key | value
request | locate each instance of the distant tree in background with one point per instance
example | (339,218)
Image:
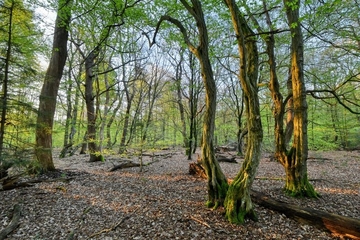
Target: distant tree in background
(217,183)
(18,68)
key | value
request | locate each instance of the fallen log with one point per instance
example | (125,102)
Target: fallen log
(336,224)
(127,164)
(222,158)
(15,221)
(163,155)
(130,164)
(14,182)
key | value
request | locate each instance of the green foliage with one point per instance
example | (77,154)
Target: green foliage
(18,159)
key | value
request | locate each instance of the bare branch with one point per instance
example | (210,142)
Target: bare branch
(337,98)
(181,28)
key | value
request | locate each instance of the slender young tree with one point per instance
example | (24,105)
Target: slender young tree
(49,91)
(18,63)
(4,99)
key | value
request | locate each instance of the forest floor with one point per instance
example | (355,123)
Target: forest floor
(165,202)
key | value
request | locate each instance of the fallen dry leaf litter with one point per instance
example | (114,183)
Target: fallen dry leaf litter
(164,202)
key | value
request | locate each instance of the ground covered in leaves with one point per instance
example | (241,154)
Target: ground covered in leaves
(165,202)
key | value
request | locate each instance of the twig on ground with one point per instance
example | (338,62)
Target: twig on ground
(199,221)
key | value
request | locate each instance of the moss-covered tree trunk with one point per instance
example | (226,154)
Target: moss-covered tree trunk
(238,203)
(295,163)
(49,91)
(217,183)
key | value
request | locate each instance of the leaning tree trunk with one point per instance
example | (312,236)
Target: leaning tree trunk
(49,91)
(217,183)
(297,183)
(238,204)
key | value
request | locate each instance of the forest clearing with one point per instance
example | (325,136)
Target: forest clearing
(165,202)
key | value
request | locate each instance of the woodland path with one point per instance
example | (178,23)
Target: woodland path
(165,202)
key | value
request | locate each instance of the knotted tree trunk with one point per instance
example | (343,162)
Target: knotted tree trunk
(238,203)
(295,161)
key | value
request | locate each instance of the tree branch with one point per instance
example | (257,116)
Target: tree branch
(181,28)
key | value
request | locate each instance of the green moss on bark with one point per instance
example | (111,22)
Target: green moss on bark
(238,204)
(301,189)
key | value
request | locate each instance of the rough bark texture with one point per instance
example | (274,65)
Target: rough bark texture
(90,107)
(238,203)
(297,183)
(48,95)
(217,183)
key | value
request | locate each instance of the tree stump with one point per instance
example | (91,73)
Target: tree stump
(195,168)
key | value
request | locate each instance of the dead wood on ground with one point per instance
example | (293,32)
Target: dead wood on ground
(336,224)
(130,164)
(223,158)
(163,155)
(125,164)
(15,221)
(196,168)
(15,182)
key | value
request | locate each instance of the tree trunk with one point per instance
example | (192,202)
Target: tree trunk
(111,143)
(193,108)
(4,99)
(49,91)
(179,99)
(297,183)
(107,108)
(68,141)
(90,107)
(217,183)
(238,204)
(129,94)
